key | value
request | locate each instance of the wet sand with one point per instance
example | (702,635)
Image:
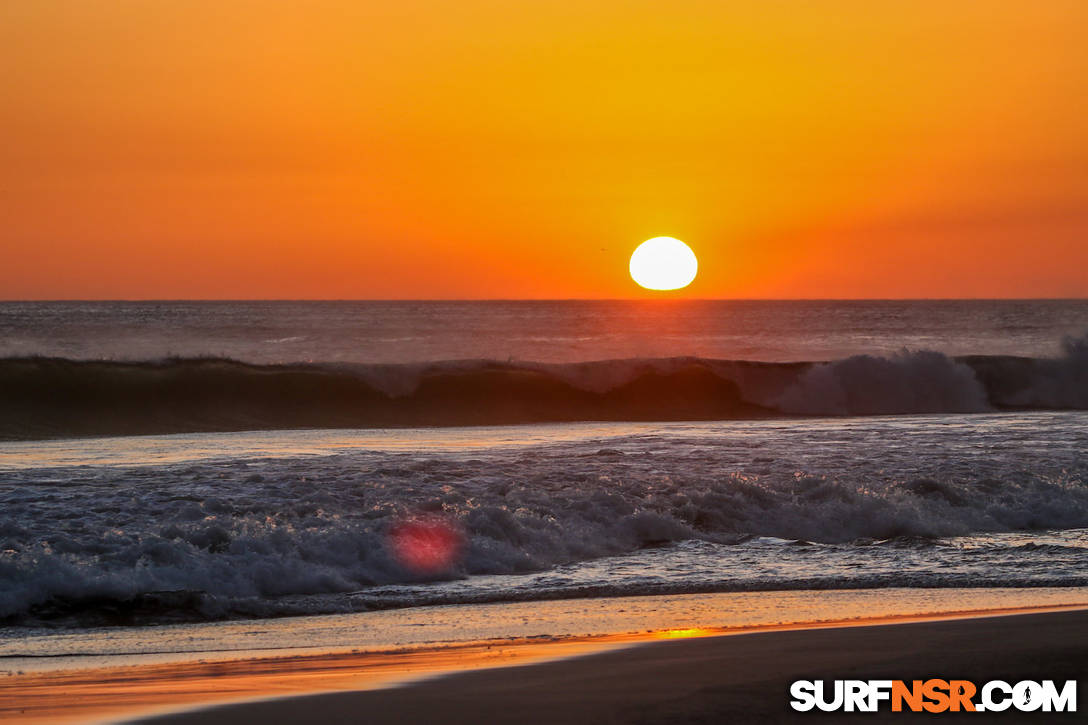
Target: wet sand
(729,679)
(622,678)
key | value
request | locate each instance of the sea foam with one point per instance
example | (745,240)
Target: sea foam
(231,537)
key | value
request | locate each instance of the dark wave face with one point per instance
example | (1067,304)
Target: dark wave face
(55,397)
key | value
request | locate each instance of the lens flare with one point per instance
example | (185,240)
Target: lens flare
(426,544)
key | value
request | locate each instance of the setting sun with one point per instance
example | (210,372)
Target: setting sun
(663,263)
(316,347)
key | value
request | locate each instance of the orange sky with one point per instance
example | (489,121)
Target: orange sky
(498,148)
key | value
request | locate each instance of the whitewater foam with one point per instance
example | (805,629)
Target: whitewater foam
(909,382)
(235,536)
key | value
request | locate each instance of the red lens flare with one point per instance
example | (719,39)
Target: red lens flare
(426,544)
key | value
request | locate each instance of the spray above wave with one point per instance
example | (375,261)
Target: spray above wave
(47,397)
(1056,383)
(931,382)
(918,382)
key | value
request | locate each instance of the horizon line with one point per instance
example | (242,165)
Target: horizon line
(538,299)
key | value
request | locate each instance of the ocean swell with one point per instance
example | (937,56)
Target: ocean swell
(51,397)
(910,382)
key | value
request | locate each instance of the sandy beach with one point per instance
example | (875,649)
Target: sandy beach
(663,675)
(741,678)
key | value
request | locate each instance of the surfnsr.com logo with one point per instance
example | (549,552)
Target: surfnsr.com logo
(933,696)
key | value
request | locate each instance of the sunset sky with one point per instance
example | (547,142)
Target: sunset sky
(523,148)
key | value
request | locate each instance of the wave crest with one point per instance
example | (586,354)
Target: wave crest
(909,382)
(48,397)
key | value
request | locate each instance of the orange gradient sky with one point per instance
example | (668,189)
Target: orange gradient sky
(490,148)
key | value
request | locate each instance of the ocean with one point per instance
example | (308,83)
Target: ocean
(539,331)
(204,461)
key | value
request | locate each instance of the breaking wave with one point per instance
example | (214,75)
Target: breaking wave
(50,397)
(777,507)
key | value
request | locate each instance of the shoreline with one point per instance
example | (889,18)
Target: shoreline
(727,678)
(182,688)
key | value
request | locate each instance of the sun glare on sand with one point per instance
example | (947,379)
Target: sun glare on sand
(663,263)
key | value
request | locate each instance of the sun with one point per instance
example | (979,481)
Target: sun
(663,263)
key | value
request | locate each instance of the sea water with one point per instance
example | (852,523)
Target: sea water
(199,526)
